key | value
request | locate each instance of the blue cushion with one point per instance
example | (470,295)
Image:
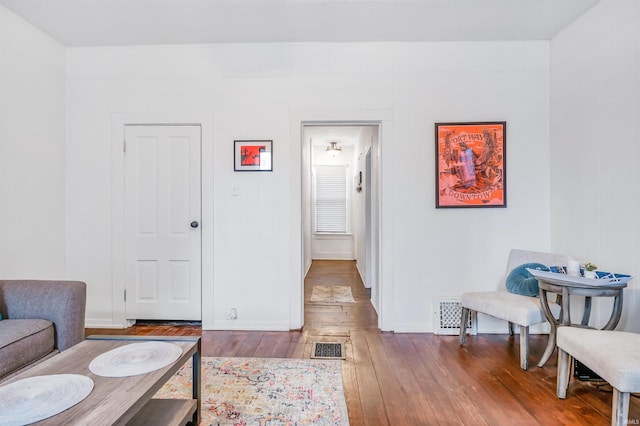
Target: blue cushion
(520,281)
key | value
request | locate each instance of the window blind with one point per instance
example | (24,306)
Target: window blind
(331,199)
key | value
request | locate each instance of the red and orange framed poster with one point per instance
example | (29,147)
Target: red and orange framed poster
(471,164)
(252,156)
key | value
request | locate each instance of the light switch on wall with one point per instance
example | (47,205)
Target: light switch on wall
(235,190)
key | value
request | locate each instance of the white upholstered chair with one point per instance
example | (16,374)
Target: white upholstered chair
(612,355)
(524,311)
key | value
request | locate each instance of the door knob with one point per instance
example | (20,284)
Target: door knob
(194,224)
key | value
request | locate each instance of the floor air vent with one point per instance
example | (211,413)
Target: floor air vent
(447,313)
(328,351)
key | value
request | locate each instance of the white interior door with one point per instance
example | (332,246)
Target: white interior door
(162,222)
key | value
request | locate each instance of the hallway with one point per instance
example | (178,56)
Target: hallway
(332,318)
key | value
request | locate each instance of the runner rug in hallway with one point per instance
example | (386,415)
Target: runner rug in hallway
(258,391)
(331,294)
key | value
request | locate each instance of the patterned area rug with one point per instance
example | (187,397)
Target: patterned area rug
(265,391)
(331,294)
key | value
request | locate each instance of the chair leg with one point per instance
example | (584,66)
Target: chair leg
(619,408)
(464,319)
(511,333)
(564,371)
(524,347)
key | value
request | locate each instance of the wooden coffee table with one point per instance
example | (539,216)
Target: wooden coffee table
(124,400)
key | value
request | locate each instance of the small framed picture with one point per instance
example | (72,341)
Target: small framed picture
(471,164)
(253,156)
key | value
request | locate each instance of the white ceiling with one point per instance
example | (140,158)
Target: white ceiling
(143,22)
(322,135)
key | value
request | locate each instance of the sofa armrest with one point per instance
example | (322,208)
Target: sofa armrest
(61,302)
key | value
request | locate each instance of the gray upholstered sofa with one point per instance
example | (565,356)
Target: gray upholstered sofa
(39,319)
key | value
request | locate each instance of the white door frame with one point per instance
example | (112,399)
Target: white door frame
(368,271)
(118,123)
(385,244)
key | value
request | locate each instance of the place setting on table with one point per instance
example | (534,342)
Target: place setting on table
(135,358)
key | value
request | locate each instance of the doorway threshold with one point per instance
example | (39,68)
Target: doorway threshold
(174,323)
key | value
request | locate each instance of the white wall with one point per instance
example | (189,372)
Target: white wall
(305,200)
(595,143)
(443,252)
(359,205)
(32,152)
(255,91)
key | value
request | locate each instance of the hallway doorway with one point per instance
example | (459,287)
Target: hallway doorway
(356,239)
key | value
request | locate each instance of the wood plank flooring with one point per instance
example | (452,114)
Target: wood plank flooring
(415,378)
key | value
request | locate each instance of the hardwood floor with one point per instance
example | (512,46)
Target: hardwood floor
(415,378)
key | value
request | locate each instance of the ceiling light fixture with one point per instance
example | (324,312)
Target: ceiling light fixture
(333,149)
